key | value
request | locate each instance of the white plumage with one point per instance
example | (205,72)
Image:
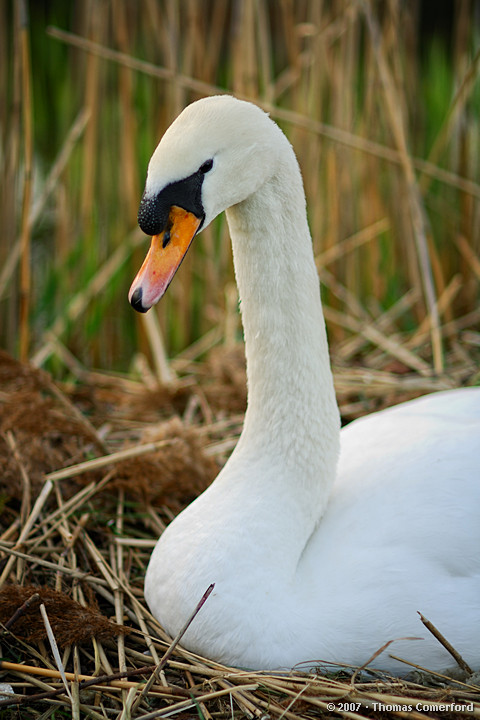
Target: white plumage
(322,544)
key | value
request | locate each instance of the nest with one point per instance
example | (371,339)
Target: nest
(80,512)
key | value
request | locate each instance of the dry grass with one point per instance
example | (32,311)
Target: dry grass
(76,533)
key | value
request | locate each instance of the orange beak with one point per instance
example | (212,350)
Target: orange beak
(167,251)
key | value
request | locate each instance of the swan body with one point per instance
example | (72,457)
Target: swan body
(322,544)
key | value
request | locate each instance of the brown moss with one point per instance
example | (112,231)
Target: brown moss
(70,621)
(15,375)
(175,474)
(161,402)
(45,436)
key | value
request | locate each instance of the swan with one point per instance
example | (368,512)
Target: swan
(322,543)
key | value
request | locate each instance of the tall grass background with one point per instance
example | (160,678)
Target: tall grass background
(381,101)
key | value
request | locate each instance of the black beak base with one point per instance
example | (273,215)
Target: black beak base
(187,194)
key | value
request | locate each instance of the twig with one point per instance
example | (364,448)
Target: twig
(468,253)
(184,629)
(114,680)
(54,647)
(186,704)
(111,459)
(21,610)
(174,644)
(39,503)
(53,566)
(365,235)
(443,641)
(388,344)
(26,494)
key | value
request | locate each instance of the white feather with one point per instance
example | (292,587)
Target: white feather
(312,559)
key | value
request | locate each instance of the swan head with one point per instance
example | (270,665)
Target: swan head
(218,152)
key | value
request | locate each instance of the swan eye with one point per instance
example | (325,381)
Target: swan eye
(207,165)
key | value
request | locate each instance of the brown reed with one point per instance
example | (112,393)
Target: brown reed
(317,69)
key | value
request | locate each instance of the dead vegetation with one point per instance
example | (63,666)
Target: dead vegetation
(91,473)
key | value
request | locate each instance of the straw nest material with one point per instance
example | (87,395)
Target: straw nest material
(90,474)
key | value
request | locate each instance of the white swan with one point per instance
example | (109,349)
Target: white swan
(322,544)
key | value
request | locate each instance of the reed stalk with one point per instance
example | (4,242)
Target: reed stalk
(385,128)
(27,119)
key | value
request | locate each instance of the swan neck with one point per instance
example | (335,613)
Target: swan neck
(292,413)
